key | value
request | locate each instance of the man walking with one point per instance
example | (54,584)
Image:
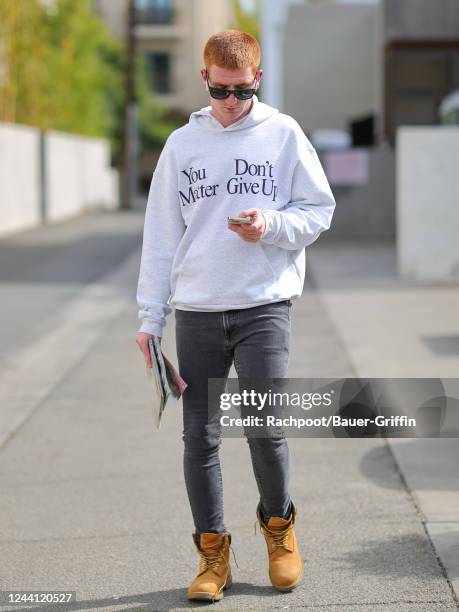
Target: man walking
(231,285)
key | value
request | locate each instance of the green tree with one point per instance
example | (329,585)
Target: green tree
(61,69)
(155,122)
(246,17)
(23,53)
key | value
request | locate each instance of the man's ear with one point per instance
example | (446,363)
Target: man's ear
(203,79)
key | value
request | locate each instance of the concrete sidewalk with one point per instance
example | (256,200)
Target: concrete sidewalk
(93,498)
(397,328)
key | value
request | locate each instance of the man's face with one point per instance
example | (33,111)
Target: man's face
(230,110)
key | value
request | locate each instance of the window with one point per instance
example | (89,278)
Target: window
(159,65)
(153,11)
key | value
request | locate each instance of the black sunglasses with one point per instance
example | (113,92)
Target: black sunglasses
(221,93)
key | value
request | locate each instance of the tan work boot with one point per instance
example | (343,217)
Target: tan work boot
(214,568)
(285,562)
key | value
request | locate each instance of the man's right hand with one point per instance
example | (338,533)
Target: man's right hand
(142,340)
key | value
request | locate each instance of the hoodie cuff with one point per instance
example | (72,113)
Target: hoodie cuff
(150,327)
(269,233)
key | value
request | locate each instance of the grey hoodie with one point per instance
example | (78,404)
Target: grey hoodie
(206,172)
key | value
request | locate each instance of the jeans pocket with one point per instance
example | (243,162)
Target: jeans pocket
(289,304)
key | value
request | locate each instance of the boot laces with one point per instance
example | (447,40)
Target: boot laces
(210,559)
(278,537)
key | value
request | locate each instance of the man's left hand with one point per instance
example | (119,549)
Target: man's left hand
(252,232)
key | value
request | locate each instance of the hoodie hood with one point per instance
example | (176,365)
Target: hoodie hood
(259,113)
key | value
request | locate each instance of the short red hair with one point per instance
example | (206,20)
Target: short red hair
(232,49)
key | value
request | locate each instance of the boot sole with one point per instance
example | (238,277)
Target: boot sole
(205,596)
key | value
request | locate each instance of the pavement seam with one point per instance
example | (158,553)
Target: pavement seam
(70,372)
(423,520)
(78,308)
(316,288)
(398,469)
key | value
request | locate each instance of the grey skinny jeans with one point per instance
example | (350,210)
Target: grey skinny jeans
(258,340)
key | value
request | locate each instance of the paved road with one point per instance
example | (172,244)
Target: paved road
(93,499)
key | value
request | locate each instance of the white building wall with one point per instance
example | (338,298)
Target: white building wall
(19,178)
(64,168)
(272,27)
(428,202)
(332,64)
(77,177)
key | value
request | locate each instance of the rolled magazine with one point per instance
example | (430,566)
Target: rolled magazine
(164,380)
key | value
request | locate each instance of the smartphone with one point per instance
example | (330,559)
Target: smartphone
(240,220)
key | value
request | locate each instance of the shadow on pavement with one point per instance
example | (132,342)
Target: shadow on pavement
(423,456)
(398,557)
(162,600)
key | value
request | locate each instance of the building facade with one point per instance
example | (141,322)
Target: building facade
(421,60)
(172,35)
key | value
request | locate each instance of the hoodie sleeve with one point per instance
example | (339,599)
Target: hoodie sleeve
(163,230)
(311,207)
